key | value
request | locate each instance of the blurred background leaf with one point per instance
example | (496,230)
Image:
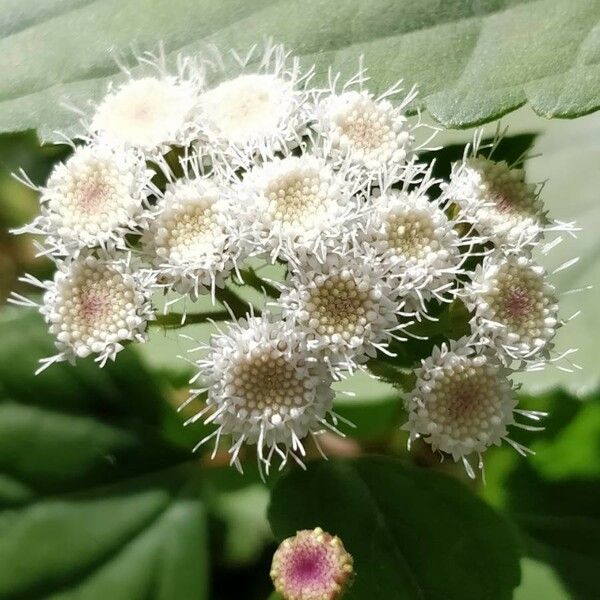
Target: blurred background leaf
(553,497)
(95,500)
(99,493)
(539,581)
(474,60)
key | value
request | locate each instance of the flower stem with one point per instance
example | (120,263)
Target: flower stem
(238,305)
(254,281)
(177,320)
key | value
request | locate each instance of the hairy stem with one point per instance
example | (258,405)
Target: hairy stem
(254,281)
(174,320)
(238,305)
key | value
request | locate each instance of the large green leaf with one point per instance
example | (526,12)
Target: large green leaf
(472,59)
(136,538)
(94,500)
(412,533)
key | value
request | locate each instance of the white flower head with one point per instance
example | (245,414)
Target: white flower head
(92,200)
(94,306)
(514,305)
(498,201)
(366,130)
(264,387)
(153,112)
(295,205)
(258,113)
(416,242)
(192,242)
(463,403)
(345,305)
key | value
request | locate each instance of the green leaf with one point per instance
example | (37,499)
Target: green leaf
(125,393)
(374,418)
(244,512)
(575,450)
(238,505)
(473,60)
(539,581)
(412,533)
(94,500)
(553,496)
(139,537)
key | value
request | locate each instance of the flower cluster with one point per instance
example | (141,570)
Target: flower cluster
(185,180)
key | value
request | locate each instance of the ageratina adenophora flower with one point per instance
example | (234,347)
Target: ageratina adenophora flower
(498,201)
(260,112)
(515,306)
(192,241)
(264,387)
(312,565)
(463,402)
(345,305)
(153,112)
(365,130)
(295,205)
(93,200)
(252,163)
(94,306)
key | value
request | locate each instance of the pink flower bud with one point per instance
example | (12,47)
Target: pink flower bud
(312,565)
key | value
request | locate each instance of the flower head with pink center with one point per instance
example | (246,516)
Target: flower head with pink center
(92,200)
(515,307)
(153,112)
(94,306)
(312,565)
(463,402)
